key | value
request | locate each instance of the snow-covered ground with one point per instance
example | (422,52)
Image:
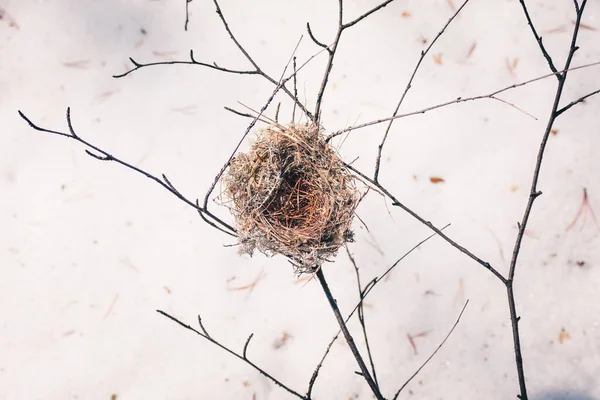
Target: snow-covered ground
(89,250)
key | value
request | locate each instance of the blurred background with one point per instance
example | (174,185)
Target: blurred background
(89,250)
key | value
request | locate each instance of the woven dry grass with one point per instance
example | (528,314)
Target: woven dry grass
(291,195)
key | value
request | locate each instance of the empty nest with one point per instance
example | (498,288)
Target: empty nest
(291,195)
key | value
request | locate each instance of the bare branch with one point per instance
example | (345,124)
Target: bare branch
(408,86)
(365,15)
(257,70)
(105,156)
(279,85)
(187,14)
(201,326)
(333,48)
(365,292)
(295,90)
(361,314)
(138,65)
(538,39)
(397,203)
(241,114)
(458,100)
(534,193)
(574,102)
(361,364)
(314,39)
(434,353)
(246,346)
(233,353)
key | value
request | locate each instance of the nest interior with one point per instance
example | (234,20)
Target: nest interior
(291,194)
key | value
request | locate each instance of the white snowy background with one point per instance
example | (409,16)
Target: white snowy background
(89,250)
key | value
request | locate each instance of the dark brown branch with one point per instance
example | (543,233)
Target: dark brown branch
(365,15)
(333,48)
(397,203)
(434,353)
(257,70)
(574,102)
(314,39)
(187,14)
(202,327)
(329,65)
(336,311)
(246,346)
(233,353)
(514,319)
(365,292)
(192,61)
(239,113)
(255,65)
(533,194)
(408,86)
(232,36)
(315,374)
(538,39)
(103,155)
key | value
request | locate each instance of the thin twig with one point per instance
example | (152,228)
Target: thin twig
(295,90)
(361,314)
(314,39)
(579,100)
(432,354)
(192,61)
(256,118)
(233,353)
(538,39)
(105,156)
(397,203)
(241,114)
(187,14)
(329,65)
(365,292)
(333,48)
(257,70)
(455,101)
(246,346)
(365,15)
(408,86)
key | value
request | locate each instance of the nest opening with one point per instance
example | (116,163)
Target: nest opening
(292,195)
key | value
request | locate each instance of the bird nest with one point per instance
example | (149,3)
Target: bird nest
(292,195)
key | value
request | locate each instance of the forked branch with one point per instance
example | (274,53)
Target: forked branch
(366,290)
(490,96)
(407,88)
(434,352)
(192,61)
(349,339)
(333,48)
(242,356)
(534,193)
(102,155)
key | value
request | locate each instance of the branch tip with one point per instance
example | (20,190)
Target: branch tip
(246,346)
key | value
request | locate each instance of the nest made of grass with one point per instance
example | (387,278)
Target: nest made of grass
(291,194)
